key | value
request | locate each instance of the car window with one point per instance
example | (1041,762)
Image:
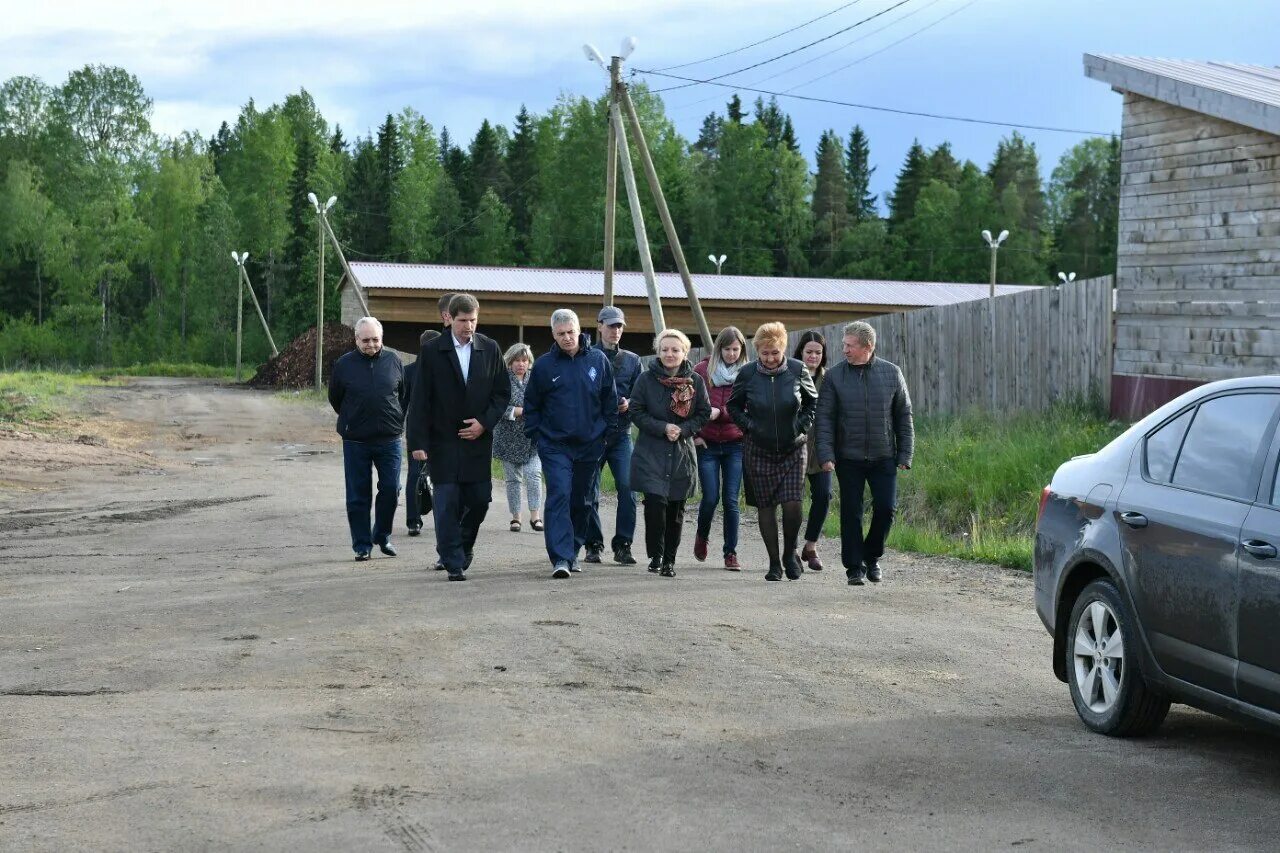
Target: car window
(1222,443)
(1162,447)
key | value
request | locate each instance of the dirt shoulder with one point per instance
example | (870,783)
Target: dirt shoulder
(190,659)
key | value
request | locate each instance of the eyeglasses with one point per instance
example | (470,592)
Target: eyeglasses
(370,340)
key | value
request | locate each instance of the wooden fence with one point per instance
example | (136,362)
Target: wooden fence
(1046,345)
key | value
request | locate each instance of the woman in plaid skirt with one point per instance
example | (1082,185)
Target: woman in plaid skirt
(774,402)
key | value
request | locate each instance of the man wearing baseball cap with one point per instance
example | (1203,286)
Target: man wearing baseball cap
(626,369)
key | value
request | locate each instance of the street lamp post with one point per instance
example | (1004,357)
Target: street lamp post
(995,248)
(718,261)
(320,211)
(235,256)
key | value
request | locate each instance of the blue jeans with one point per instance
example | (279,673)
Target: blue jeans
(720,473)
(412,515)
(882,476)
(569,471)
(819,503)
(617,455)
(358,460)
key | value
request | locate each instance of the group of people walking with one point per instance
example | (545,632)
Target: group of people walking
(768,427)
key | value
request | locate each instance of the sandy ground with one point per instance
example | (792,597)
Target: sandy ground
(190,660)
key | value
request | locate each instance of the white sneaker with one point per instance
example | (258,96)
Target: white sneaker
(561,570)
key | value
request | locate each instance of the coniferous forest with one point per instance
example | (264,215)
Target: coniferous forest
(115,242)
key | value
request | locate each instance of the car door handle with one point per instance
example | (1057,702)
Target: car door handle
(1258,548)
(1134,519)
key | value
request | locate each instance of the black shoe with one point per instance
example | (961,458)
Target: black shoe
(457,576)
(774,573)
(560,570)
(415,529)
(873,572)
(593,553)
(655,564)
(387,548)
(793,567)
(622,556)
(855,577)
(361,556)
(668,570)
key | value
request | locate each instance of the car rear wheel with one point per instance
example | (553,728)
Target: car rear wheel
(1106,683)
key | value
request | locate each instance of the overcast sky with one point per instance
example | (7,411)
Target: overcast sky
(459,62)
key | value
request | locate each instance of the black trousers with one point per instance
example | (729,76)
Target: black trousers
(663,522)
(882,476)
(459,509)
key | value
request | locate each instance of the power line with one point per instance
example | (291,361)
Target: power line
(864,58)
(822,56)
(917,113)
(762,41)
(781,55)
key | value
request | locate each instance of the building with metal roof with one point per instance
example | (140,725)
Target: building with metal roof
(1198,259)
(515,301)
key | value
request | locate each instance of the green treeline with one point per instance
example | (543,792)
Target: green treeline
(115,243)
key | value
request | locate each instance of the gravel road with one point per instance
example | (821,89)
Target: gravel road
(189,659)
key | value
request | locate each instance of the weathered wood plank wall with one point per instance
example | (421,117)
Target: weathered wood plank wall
(1050,344)
(1198,268)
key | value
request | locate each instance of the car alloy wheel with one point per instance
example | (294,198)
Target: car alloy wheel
(1099,657)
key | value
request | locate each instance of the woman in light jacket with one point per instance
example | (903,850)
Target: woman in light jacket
(520,463)
(669,404)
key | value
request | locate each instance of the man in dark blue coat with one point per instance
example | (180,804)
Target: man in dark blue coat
(617,445)
(569,407)
(460,393)
(368,392)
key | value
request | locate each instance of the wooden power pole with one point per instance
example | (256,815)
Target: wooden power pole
(611,182)
(637,218)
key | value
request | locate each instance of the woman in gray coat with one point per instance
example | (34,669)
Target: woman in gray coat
(669,404)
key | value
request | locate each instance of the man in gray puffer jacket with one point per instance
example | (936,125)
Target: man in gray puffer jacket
(864,434)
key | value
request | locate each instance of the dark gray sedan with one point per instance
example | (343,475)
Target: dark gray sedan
(1156,565)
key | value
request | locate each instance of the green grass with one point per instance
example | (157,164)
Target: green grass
(975,482)
(167,368)
(31,398)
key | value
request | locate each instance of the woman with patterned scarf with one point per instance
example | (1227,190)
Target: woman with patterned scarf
(669,404)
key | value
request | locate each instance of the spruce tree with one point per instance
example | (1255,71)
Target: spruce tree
(857,160)
(488,171)
(709,136)
(830,198)
(735,110)
(911,179)
(522,169)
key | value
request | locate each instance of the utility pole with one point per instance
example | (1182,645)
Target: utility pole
(239,311)
(320,223)
(244,274)
(651,174)
(994,243)
(611,181)
(637,219)
(342,258)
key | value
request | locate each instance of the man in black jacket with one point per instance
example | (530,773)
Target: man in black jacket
(866,435)
(368,392)
(412,512)
(460,392)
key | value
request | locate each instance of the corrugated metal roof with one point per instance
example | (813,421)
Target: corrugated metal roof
(441,277)
(1233,91)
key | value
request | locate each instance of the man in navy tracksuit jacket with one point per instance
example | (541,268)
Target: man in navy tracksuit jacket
(569,407)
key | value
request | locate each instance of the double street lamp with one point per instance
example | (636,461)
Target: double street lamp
(1066,278)
(320,229)
(994,243)
(719,262)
